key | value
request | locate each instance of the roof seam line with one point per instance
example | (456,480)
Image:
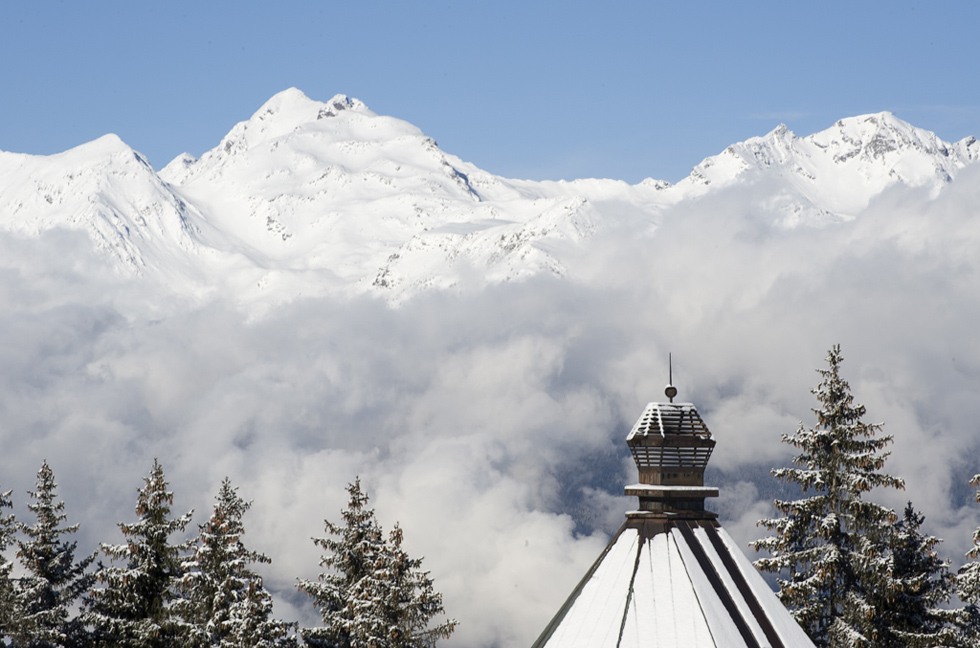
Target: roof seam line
(641,537)
(744,588)
(715,581)
(697,596)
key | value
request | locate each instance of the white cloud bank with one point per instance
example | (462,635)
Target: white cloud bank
(491,423)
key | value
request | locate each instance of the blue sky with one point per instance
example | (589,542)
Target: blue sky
(624,89)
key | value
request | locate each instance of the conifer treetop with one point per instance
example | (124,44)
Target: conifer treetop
(133,608)
(841,451)
(831,547)
(224,601)
(54,582)
(148,538)
(915,611)
(48,511)
(974,552)
(8,598)
(8,523)
(371,594)
(968,576)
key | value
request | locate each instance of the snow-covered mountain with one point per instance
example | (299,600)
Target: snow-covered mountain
(103,187)
(835,173)
(308,197)
(367,202)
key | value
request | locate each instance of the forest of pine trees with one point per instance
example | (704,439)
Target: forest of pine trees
(155,592)
(853,572)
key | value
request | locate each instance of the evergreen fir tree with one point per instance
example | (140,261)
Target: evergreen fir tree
(349,559)
(372,594)
(405,600)
(908,611)
(9,604)
(225,602)
(53,583)
(968,584)
(253,621)
(133,609)
(831,547)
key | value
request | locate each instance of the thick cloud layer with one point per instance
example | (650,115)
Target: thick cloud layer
(490,423)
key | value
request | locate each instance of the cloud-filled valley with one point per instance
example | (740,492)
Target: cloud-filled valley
(488,416)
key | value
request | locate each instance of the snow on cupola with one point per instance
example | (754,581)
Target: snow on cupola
(671,446)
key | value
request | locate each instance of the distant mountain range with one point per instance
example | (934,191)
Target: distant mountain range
(310,198)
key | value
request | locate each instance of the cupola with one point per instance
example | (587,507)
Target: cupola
(671,577)
(671,446)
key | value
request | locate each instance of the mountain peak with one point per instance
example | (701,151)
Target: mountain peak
(780,137)
(285,97)
(108,144)
(293,107)
(780,131)
(339,103)
(109,148)
(284,111)
(875,135)
(875,121)
(878,148)
(283,114)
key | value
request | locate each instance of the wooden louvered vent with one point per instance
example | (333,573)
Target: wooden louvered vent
(671,445)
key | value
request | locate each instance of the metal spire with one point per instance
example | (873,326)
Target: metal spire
(670,391)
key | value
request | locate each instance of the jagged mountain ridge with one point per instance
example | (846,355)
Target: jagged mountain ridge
(104,187)
(309,186)
(309,197)
(834,174)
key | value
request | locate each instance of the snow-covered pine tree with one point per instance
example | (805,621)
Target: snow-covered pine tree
(53,582)
(831,547)
(372,594)
(908,609)
(405,600)
(9,605)
(349,558)
(254,623)
(224,601)
(133,609)
(968,584)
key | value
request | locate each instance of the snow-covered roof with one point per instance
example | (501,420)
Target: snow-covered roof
(669,418)
(670,435)
(677,583)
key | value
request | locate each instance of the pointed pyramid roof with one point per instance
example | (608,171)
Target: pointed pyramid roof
(671,576)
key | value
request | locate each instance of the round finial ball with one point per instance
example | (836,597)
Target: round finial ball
(671,391)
